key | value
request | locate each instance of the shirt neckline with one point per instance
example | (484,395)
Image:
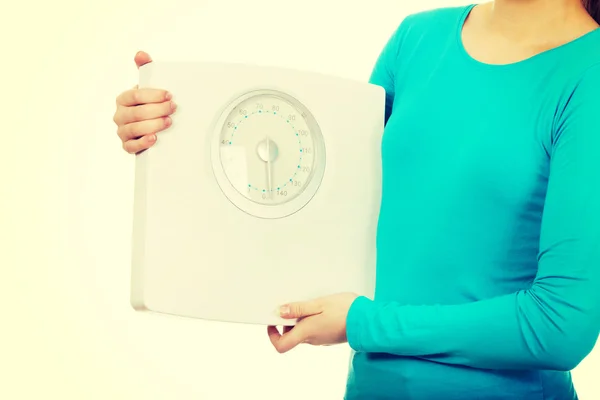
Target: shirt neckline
(465,54)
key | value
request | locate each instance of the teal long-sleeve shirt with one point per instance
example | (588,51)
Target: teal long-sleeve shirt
(488,271)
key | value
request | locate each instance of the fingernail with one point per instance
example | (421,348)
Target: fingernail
(152,138)
(173,105)
(284,310)
(168,96)
(168,121)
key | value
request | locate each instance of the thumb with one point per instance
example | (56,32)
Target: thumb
(300,309)
(142,58)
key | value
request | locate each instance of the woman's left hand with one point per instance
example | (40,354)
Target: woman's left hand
(321,322)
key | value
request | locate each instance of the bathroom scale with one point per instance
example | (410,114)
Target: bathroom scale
(265,190)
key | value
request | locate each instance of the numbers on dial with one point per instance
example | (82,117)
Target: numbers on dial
(274,155)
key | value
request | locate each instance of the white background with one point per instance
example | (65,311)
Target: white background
(66,328)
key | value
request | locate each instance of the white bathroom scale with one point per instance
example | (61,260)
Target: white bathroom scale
(266,189)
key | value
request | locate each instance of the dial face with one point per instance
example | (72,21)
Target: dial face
(271,152)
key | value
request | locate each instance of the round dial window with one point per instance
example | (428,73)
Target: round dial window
(268,155)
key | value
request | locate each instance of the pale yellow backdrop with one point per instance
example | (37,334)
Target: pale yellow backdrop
(66,328)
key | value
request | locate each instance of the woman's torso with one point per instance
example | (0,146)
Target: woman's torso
(465,158)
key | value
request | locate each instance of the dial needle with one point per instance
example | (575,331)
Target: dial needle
(270,188)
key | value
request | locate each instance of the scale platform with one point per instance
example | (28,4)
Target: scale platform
(266,189)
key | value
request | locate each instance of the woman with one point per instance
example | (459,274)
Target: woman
(488,277)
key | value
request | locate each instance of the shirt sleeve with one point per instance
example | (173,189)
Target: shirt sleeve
(384,71)
(554,324)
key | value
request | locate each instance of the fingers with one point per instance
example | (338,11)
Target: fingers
(135,130)
(135,97)
(273,331)
(141,113)
(127,115)
(290,339)
(274,336)
(300,309)
(142,58)
(135,146)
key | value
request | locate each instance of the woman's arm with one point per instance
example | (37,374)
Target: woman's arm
(383,73)
(554,324)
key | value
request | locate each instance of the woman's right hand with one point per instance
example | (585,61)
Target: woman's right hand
(142,113)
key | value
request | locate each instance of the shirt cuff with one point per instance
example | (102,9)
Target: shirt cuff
(357,317)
